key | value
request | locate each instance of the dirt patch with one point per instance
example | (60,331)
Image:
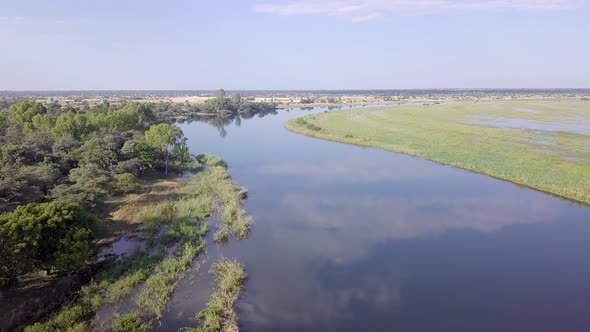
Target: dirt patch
(39,295)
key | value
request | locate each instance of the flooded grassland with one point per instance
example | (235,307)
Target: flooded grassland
(538,144)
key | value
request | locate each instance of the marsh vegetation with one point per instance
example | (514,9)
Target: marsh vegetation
(220,314)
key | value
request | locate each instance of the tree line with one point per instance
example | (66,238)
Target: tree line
(57,167)
(221,105)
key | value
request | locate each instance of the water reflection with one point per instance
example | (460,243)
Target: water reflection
(225,119)
(397,217)
(321,302)
(352,169)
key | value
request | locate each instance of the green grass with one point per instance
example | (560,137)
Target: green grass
(154,216)
(216,182)
(222,234)
(554,162)
(220,315)
(123,287)
(130,322)
(184,215)
(208,191)
(210,160)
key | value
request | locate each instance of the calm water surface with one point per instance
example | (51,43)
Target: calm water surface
(355,239)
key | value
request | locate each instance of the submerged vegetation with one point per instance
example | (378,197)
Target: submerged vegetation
(130,322)
(159,286)
(541,145)
(217,181)
(220,315)
(221,234)
(110,286)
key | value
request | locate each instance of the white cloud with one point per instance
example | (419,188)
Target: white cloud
(364,10)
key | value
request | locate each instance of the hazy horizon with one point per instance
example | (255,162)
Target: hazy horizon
(254,92)
(320,90)
(295,45)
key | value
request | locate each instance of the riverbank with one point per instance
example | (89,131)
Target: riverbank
(542,144)
(118,233)
(173,216)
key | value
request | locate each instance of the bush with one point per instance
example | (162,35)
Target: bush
(74,194)
(92,178)
(133,166)
(210,160)
(43,236)
(126,183)
(302,122)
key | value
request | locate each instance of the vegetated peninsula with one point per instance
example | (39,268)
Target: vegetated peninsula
(543,144)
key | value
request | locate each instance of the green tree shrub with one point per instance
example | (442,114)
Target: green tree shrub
(169,141)
(126,183)
(45,236)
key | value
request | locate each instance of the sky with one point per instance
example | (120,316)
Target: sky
(293,44)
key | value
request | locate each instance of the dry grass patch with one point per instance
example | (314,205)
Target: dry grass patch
(153,192)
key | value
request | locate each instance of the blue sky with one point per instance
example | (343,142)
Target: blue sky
(294,44)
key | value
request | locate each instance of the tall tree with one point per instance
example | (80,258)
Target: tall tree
(236,101)
(221,100)
(167,139)
(220,94)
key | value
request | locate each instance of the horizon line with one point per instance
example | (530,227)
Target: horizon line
(306,90)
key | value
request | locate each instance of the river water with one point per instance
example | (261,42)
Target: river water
(359,239)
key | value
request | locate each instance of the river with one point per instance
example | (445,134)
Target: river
(359,239)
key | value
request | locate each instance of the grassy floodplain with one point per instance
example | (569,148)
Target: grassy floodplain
(543,145)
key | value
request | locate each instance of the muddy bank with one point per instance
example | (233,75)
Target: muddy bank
(40,296)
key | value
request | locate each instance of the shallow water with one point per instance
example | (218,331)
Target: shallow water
(125,246)
(513,123)
(358,239)
(527,110)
